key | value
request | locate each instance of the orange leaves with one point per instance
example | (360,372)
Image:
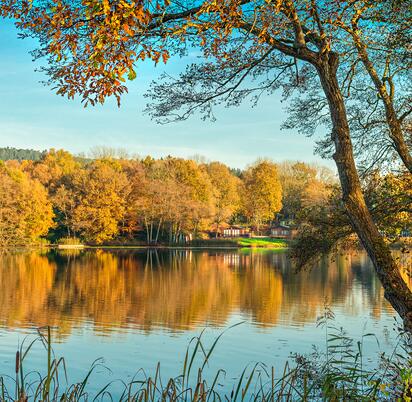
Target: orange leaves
(106,6)
(165,56)
(94,65)
(127,29)
(26,211)
(96,43)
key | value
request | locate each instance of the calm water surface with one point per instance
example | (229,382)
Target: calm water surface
(137,307)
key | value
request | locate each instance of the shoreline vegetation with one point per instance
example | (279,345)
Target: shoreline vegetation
(336,373)
(269,243)
(112,200)
(223,243)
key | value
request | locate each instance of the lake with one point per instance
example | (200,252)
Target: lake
(137,307)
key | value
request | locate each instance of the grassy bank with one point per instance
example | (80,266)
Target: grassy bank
(267,242)
(336,374)
(240,242)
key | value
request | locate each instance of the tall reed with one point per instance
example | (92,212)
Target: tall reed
(337,373)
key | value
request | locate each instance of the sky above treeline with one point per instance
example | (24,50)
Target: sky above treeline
(32,116)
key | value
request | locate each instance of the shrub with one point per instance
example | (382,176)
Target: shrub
(69,241)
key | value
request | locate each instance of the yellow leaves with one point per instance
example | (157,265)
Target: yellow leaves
(106,6)
(101,189)
(132,75)
(26,211)
(263,192)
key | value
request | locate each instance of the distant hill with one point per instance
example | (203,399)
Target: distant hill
(10,153)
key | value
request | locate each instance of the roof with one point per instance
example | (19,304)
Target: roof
(281,227)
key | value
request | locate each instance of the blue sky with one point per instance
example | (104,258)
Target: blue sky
(32,116)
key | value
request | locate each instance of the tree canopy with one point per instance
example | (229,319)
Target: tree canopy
(262,198)
(25,210)
(115,199)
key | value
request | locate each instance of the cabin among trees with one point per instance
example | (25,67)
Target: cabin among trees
(236,231)
(283,231)
(226,230)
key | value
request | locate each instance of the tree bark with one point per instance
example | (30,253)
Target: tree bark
(151,232)
(158,231)
(396,290)
(147,231)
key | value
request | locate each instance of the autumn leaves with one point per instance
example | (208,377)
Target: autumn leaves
(106,198)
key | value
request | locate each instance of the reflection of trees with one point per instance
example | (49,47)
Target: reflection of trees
(178,289)
(26,282)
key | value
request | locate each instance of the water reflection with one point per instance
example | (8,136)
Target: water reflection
(179,289)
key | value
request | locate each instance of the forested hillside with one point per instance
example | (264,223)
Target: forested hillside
(10,153)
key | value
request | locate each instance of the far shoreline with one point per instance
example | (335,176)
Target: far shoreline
(222,243)
(205,244)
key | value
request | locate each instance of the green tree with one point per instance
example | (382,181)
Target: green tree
(325,225)
(390,198)
(10,153)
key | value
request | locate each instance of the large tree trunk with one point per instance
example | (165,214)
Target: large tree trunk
(396,290)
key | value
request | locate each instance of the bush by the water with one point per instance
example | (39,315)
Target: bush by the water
(69,241)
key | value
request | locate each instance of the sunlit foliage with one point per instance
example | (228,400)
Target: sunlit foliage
(262,198)
(25,209)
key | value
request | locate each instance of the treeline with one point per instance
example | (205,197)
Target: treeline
(168,200)
(10,153)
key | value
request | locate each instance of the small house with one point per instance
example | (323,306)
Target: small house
(235,231)
(283,231)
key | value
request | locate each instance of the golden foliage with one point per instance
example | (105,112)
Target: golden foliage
(25,211)
(262,198)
